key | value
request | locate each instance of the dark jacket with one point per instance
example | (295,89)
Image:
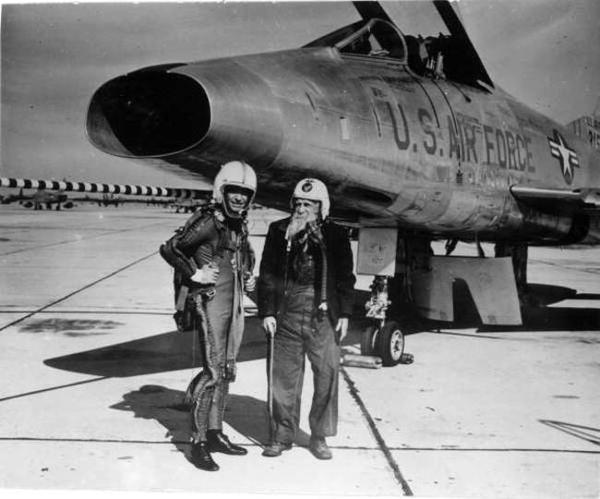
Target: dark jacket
(204,238)
(340,275)
(207,237)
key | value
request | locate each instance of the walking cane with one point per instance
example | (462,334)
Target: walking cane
(270,345)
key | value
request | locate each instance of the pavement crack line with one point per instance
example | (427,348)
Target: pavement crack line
(89,312)
(466,335)
(375,432)
(87,286)
(60,387)
(493,449)
(255,443)
(77,240)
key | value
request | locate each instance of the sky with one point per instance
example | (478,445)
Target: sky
(546,53)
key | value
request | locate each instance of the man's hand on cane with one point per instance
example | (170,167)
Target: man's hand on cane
(249,282)
(342,327)
(270,325)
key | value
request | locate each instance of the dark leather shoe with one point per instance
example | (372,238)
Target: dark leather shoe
(201,458)
(319,448)
(275,449)
(219,442)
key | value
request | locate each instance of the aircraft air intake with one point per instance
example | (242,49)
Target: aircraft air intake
(193,115)
(148,114)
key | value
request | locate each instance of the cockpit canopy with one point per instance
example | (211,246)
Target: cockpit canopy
(441,56)
(374,38)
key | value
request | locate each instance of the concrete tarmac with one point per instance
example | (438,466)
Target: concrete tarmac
(93,374)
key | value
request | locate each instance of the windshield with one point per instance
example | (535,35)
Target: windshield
(375,38)
(436,56)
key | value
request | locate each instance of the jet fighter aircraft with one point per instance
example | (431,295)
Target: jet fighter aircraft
(412,137)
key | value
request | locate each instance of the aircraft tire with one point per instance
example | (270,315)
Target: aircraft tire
(368,339)
(389,344)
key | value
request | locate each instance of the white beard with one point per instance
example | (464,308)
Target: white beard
(298,224)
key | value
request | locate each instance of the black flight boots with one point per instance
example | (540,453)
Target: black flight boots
(218,442)
(201,458)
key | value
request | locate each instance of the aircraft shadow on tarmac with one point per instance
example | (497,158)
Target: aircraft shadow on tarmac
(169,351)
(536,314)
(173,350)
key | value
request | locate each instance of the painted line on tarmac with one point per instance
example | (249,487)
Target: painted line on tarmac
(87,286)
(52,388)
(375,431)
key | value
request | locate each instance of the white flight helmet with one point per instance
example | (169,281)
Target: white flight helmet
(315,190)
(234,173)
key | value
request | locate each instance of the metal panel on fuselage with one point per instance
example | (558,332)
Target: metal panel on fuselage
(482,125)
(412,115)
(370,125)
(330,130)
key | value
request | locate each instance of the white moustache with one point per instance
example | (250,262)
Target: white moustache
(298,223)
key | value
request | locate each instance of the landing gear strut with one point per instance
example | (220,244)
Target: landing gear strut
(381,338)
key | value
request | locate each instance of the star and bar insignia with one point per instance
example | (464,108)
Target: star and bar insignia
(567,157)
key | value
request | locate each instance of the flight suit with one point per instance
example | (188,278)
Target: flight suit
(209,237)
(291,286)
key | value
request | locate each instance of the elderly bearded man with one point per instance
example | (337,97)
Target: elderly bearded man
(305,297)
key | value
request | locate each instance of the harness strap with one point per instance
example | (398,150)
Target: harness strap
(181,298)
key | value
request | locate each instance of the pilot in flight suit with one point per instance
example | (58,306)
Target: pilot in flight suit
(214,260)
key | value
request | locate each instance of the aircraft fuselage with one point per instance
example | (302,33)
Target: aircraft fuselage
(420,152)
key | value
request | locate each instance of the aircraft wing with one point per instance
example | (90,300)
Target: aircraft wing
(587,199)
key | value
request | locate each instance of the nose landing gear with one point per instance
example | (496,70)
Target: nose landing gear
(382,338)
